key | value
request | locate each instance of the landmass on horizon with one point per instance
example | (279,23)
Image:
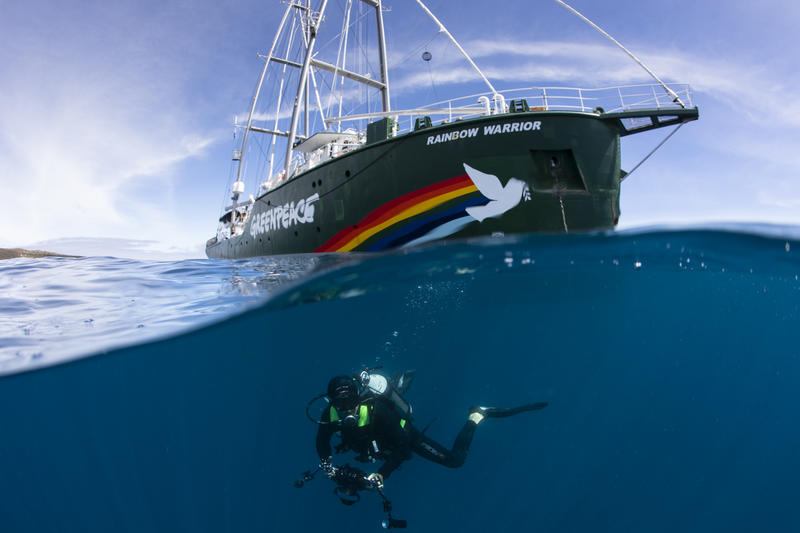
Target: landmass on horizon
(13,253)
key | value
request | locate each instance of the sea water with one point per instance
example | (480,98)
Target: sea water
(142,396)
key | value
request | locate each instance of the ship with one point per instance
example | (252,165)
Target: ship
(355,174)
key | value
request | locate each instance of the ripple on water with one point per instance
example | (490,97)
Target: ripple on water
(55,309)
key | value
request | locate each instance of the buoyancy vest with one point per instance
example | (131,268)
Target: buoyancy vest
(364,415)
(364,411)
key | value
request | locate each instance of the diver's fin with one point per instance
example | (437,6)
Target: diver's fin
(500,412)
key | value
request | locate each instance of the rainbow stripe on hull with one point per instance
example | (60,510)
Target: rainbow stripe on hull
(435,209)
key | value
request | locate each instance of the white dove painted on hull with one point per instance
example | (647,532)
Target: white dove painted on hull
(501,198)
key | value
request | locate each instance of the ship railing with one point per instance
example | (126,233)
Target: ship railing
(574,99)
(307,161)
(594,100)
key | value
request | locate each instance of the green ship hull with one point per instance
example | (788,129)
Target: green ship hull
(537,171)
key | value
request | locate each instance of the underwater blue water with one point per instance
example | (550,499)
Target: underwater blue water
(669,359)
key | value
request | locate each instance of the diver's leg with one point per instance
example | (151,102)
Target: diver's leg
(433,451)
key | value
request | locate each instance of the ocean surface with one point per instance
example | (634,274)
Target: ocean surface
(171,396)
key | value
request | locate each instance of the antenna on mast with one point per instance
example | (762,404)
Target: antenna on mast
(672,94)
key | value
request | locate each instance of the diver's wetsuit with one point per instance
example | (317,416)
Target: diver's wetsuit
(387,437)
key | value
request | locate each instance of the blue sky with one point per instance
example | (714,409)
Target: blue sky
(116,117)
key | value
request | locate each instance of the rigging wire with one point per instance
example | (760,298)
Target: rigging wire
(673,132)
(295,24)
(339,35)
(460,49)
(416,50)
(316,95)
(675,98)
(433,83)
(341,58)
(257,93)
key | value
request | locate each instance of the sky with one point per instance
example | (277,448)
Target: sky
(116,118)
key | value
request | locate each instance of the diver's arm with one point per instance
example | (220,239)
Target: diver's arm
(391,464)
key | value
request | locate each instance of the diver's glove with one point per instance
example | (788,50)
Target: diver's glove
(326,466)
(375,480)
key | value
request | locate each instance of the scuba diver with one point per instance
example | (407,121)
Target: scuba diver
(375,422)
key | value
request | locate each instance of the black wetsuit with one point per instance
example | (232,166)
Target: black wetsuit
(386,437)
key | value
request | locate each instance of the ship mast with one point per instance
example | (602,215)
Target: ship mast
(311,22)
(314,22)
(382,54)
(313,27)
(238,186)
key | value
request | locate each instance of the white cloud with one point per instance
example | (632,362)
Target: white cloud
(72,164)
(81,132)
(752,90)
(782,194)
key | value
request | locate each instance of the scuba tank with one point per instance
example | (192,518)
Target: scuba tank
(389,389)
(375,385)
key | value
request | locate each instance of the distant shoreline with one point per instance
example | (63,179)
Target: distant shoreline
(13,253)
